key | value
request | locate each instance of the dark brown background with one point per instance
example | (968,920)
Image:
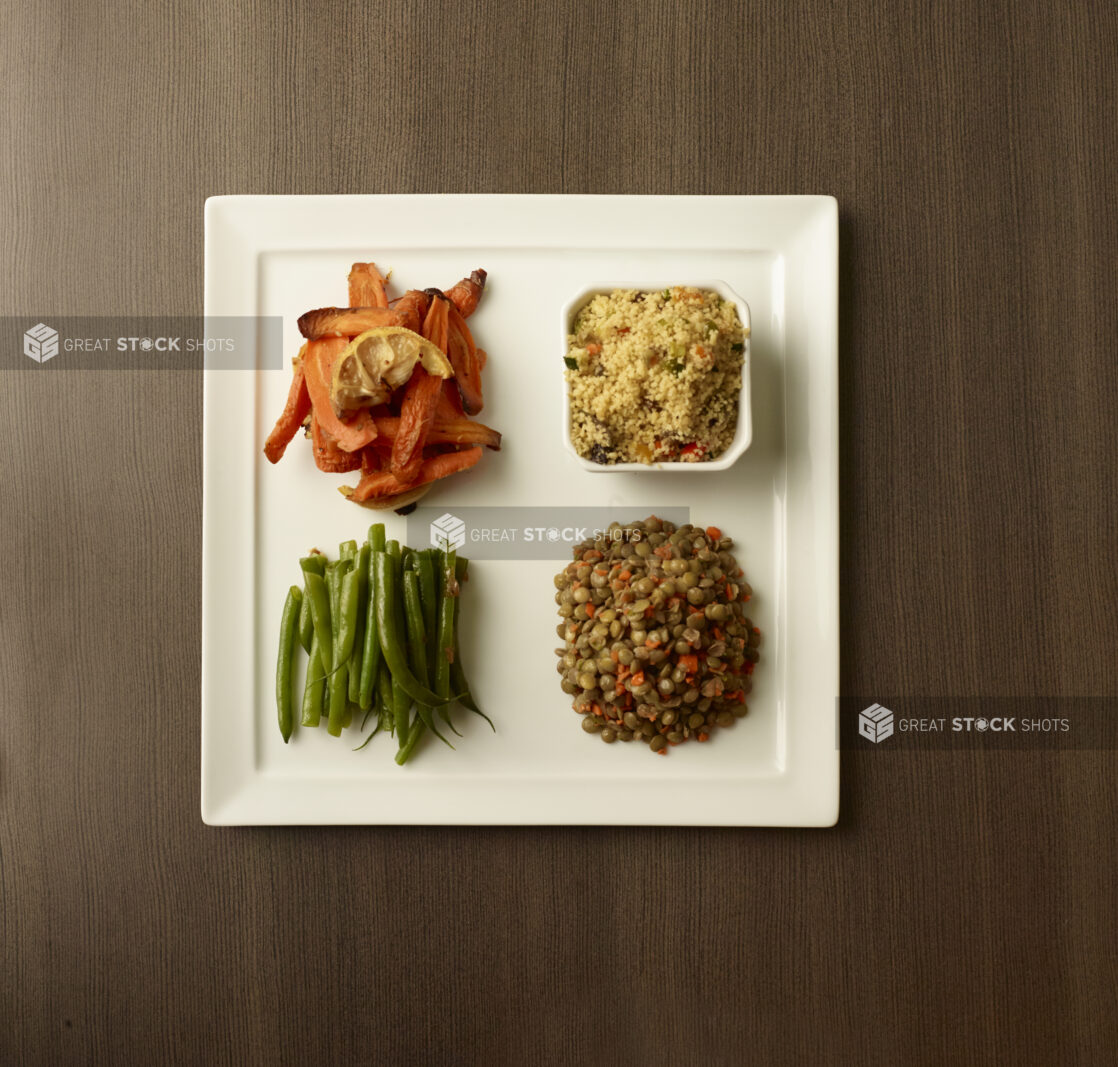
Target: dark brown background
(963,910)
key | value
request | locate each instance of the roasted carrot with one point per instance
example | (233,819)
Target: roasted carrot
(370,458)
(421,398)
(464,359)
(467,293)
(436,323)
(347,322)
(366,286)
(295,413)
(450,403)
(373,486)
(417,415)
(354,434)
(456,430)
(412,306)
(327,455)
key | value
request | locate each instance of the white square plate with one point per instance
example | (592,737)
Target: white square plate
(281,255)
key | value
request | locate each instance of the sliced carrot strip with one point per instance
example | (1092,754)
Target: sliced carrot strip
(353,434)
(467,293)
(412,308)
(437,320)
(366,286)
(450,403)
(327,455)
(347,322)
(457,430)
(421,398)
(463,358)
(294,414)
(417,415)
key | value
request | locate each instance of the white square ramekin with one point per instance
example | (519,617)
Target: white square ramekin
(744,434)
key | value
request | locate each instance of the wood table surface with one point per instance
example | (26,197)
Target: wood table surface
(963,910)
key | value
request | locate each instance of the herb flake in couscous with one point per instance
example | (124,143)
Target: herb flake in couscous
(654,377)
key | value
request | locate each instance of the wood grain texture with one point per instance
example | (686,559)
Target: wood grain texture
(963,910)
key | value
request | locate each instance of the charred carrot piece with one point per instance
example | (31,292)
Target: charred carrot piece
(294,414)
(421,398)
(462,353)
(327,455)
(456,430)
(353,434)
(346,322)
(367,286)
(436,324)
(467,293)
(412,307)
(375,486)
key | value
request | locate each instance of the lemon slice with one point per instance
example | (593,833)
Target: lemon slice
(377,362)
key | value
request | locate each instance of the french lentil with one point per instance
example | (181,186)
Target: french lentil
(644,644)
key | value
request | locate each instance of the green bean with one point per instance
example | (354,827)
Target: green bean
(345,629)
(389,636)
(357,656)
(347,550)
(345,603)
(401,713)
(313,690)
(337,696)
(444,650)
(336,570)
(370,652)
(376,537)
(315,562)
(427,591)
(304,625)
(413,620)
(408,748)
(417,646)
(393,549)
(319,594)
(407,557)
(289,628)
(385,698)
(444,647)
